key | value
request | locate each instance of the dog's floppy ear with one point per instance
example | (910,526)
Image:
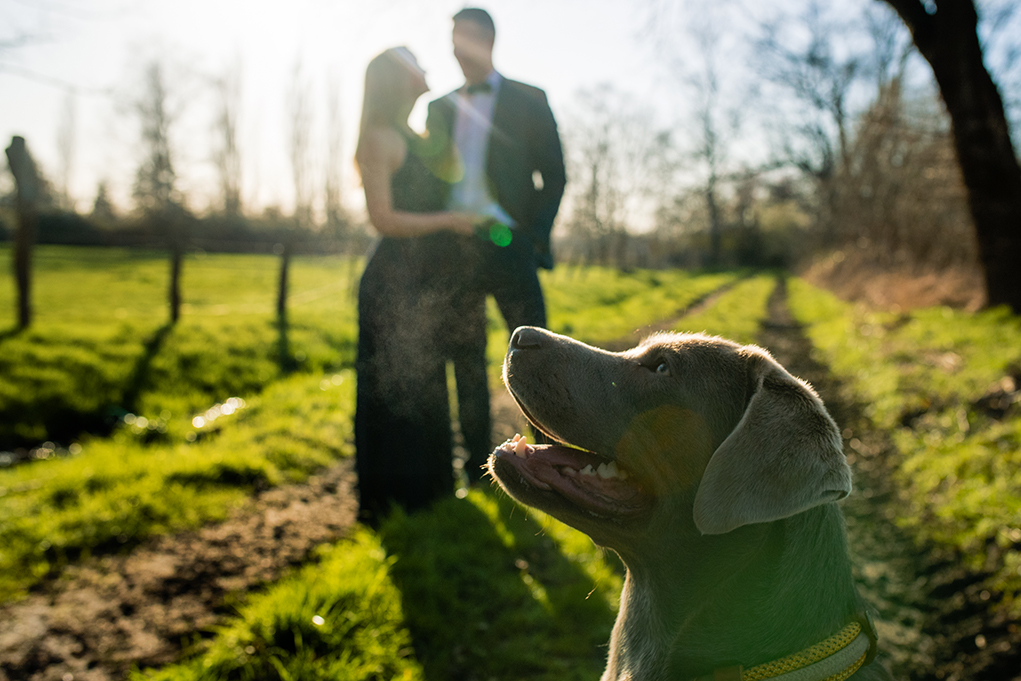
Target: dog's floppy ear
(785,456)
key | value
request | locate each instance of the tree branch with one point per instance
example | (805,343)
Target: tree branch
(918,21)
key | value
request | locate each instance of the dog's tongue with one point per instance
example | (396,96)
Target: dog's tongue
(581,477)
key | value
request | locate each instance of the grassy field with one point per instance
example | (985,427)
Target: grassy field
(944,383)
(137,428)
(488,590)
(100,346)
(736,315)
(117,491)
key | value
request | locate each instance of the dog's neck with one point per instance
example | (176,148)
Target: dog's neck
(754,595)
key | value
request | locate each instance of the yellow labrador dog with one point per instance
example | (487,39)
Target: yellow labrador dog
(713,473)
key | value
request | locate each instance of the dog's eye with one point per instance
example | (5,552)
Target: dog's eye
(663,369)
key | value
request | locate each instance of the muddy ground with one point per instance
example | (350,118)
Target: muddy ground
(108,614)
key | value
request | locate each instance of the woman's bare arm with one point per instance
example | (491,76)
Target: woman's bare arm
(379,155)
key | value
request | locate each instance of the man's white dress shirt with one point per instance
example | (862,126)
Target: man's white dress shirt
(471,137)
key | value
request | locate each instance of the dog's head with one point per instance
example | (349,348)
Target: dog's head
(686,424)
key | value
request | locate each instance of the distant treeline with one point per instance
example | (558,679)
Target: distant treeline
(213,233)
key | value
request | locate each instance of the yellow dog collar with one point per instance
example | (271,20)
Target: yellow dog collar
(834,659)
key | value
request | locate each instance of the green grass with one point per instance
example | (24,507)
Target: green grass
(100,348)
(920,375)
(120,490)
(737,314)
(474,588)
(600,304)
(339,619)
(531,597)
(110,285)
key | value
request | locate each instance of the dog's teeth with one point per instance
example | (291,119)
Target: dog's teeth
(521,447)
(588,470)
(570,472)
(607,470)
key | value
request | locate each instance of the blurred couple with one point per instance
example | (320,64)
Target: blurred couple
(463,211)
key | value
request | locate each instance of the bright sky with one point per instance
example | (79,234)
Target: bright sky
(100,46)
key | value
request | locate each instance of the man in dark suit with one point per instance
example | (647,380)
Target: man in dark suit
(511,168)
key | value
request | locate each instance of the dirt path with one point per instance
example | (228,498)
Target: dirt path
(883,561)
(105,615)
(936,620)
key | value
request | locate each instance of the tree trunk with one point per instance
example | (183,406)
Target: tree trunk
(29,187)
(948,40)
(715,223)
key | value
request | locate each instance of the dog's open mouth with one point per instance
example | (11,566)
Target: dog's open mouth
(584,478)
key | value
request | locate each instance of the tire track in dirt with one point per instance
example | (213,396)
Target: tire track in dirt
(884,563)
(105,615)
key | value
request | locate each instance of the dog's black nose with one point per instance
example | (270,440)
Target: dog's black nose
(527,338)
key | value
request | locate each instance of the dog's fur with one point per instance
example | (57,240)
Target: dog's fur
(735,551)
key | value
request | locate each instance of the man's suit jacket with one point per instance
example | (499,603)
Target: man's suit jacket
(523,141)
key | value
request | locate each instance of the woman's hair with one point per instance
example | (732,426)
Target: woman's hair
(386,87)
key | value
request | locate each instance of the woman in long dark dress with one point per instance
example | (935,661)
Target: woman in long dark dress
(414,300)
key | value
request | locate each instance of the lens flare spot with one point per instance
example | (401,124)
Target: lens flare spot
(500,234)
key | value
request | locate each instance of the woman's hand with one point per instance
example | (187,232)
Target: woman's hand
(466,223)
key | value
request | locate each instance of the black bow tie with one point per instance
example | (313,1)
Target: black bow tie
(479,88)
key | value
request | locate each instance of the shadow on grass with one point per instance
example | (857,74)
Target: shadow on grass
(488,595)
(10,333)
(28,420)
(139,378)
(285,359)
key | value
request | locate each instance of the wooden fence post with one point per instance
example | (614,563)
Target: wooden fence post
(284,250)
(29,189)
(174,229)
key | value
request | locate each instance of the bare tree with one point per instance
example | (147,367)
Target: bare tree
(620,163)
(66,144)
(155,179)
(713,131)
(890,47)
(819,78)
(336,217)
(714,100)
(946,33)
(227,156)
(154,189)
(103,212)
(1000,33)
(299,109)
(904,187)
